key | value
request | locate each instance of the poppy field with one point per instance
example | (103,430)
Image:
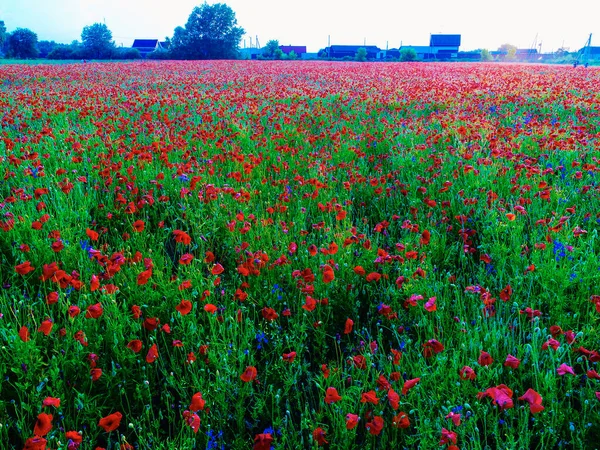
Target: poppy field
(241,254)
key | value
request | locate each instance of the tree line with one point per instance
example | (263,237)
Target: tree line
(211,32)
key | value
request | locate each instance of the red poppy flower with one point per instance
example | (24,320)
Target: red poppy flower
(506,293)
(409,384)
(217,269)
(373,277)
(35,443)
(91,234)
(184,307)
(186,259)
(564,369)
(394,399)
(401,420)
(369,397)
(110,422)
(210,308)
(360,362)
(135,345)
(358,270)
(95,374)
(51,401)
(25,268)
(332,396)
(138,226)
(94,311)
(432,347)
(430,305)
(309,304)
(485,359)
(197,402)
(351,421)
(46,327)
(501,396)
(319,436)
(289,357)
(512,362)
(192,420)
(52,298)
(534,399)
(447,437)
(74,437)
(455,417)
(375,426)
(249,374)
(182,237)
(328,275)
(269,313)
(43,424)
(262,441)
(152,354)
(348,326)
(24,333)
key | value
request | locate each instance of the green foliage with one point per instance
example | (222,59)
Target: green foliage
(270,49)
(408,54)
(61,51)
(97,41)
(361,54)
(2,33)
(485,55)
(292,55)
(127,53)
(211,32)
(509,50)
(22,43)
(45,47)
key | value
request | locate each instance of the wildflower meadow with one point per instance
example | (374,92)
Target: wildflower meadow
(290,255)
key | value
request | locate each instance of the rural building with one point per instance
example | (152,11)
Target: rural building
(349,51)
(592,52)
(526,54)
(444,46)
(422,51)
(147,46)
(299,50)
(251,53)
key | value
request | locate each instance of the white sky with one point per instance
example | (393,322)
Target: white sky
(482,24)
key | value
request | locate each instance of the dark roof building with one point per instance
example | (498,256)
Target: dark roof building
(592,51)
(444,40)
(297,49)
(342,51)
(146,46)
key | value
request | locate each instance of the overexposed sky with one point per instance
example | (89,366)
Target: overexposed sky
(482,23)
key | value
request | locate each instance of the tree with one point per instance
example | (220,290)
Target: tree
(361,54)
(485,55)
(510,51)
(210,33)
(45,48)
(292,55)
(270,49)
(97,41)
(2,33)
(22,43)
(408,54)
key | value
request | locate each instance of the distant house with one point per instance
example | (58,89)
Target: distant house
(444,46)
(251,53)
(423,52)
(593,52)
(526,54)
(147,46)
(343,51)
(299,50)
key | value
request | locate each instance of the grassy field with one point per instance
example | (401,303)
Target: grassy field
(294,255)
